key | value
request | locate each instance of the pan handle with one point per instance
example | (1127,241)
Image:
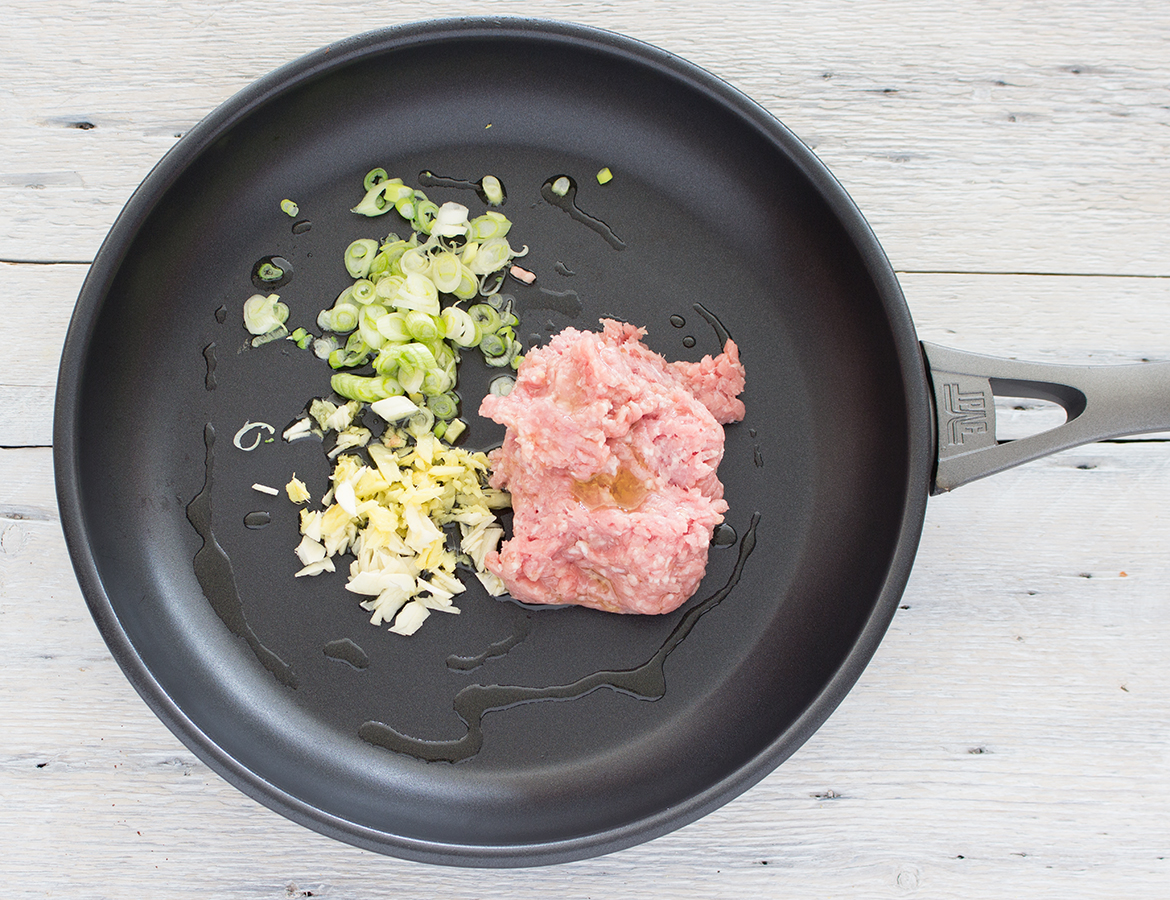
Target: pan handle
(1101,402)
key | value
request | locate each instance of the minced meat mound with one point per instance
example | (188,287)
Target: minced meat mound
(610,456)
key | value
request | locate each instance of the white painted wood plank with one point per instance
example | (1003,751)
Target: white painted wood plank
(975,136)
(36,302)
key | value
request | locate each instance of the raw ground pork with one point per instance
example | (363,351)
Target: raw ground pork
(611,455)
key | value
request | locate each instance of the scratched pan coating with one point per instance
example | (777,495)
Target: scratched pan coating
(276,682)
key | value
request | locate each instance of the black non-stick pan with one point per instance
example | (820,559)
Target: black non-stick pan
(717,218)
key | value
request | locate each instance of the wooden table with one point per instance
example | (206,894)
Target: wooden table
(1012,736)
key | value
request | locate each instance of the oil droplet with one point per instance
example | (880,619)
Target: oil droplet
(300,227)
(257,520)
(561,269)
(221,315)
(724,536)
(347,651)
(568,202)
(678,321)
(758,457)
(209,380)
(271,272)
(688,341)
(472,703)
(567,303)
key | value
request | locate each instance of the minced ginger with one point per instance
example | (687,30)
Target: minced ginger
(390,515)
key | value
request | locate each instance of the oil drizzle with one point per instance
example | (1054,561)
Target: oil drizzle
(567,303)
(301,226)
(427,178)
(723,536)
(209,380)
(644,682)
(347,651)
(494,651)
(213,569)
(720,332)
(568,202)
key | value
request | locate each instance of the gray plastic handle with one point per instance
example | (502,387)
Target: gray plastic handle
(1101,402)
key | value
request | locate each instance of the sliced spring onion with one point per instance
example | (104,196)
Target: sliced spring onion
(373,177)
(444,405)
(392,327)
(289,208)
(450,221)
(417,292)
(461,328)
(355,353)
(368,389)
(342,318)
(368,325)
(359,256)
(493,345)
(436,381)
(381,197)
(446,271)
(394,409)
(362,291)
(424,327)
(502,386)
(263,314)
(468,284)
(425,213)
(323,346)
(493,191)
(268,337)
(493,254)
(406,205)
(269,271)
(420,422)
(490,225)
(605,176)
(238,440)
(561,186)
(486,318)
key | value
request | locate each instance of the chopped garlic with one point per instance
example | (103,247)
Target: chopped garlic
(297,490)
(310,551)
(391,517)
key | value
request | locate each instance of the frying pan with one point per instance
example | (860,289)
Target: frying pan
(599,731)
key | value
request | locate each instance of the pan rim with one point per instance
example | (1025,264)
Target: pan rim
(318,63)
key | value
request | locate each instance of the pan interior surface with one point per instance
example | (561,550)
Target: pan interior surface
(712,203)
